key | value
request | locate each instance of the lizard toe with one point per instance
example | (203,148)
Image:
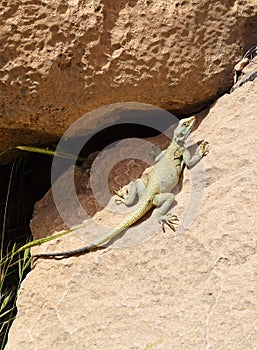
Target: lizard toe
(118,201)
(169,220)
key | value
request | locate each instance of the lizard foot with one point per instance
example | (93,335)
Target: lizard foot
(123,194)
(203,149)
(169,220)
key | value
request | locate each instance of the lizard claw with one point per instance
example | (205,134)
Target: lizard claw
(169,220)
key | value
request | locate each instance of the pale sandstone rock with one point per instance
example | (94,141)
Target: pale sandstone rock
(60,60)
(194,290)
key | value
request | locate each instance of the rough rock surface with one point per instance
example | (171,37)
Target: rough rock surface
(60,60)
(195,290)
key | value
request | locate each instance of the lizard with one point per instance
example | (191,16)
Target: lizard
(162,177)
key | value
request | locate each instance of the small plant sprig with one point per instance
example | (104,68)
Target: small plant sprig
(15,261)
(8,296)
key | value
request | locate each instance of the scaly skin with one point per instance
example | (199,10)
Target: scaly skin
(161,179)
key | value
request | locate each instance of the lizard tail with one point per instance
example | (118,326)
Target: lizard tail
(130,220)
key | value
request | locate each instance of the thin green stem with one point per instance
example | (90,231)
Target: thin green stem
(5,211)
(48,152)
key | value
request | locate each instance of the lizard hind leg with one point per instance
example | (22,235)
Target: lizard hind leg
(129,193)
(164,201)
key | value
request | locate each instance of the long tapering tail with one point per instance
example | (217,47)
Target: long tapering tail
(130,220)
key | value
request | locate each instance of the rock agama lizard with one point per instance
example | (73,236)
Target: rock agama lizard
(156,192)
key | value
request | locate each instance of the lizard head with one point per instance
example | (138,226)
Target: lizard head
(183,130)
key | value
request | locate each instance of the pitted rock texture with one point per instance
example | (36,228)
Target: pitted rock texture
(195,290)
(60,60)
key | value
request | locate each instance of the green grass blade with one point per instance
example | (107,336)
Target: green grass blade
(47,239)
(6,313)
(5,302)
(49,152)
(5,211)
(20,269)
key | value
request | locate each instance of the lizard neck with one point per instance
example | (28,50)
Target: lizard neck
(174,146)
(178,142)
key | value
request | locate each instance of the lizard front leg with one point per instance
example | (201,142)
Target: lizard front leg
(164,201)
(201,151)
(160,155)
(128,193)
